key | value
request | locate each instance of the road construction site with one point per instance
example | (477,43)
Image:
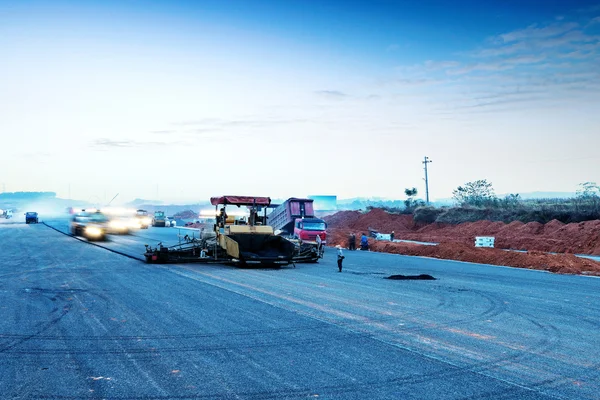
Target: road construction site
(80,321)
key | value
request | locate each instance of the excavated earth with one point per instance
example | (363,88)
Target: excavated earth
(456,242)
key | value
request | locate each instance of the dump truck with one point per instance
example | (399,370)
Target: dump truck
(239,241)
(295,218)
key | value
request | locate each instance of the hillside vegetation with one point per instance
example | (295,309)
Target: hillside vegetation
(476,201)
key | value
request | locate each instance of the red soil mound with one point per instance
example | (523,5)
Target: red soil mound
(583,237)
(559,263)
(377,219)
(342,219)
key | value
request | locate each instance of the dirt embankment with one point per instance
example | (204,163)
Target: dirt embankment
(187,214)
(456,242)
(577,238)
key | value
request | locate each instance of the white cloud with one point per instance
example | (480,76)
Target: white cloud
(331,94)
(437,65)
(481,67)
(594,21)
(533,32)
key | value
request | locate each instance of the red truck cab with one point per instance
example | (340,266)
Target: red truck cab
(307,229)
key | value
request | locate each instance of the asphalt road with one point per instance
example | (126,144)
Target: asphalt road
(77,321)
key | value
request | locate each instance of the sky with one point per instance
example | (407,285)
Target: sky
(182,100)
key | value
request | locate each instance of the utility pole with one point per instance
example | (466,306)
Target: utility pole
(425,162)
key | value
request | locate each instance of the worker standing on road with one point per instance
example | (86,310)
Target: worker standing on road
(340,257)
(364,242)
(352,242)
(392,236)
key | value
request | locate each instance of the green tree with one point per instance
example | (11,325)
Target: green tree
(511,200)
(410,192)
(411,203)
(478,193)
(588,196)
(588,190)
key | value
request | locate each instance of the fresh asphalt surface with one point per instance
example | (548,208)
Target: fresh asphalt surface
(78,321)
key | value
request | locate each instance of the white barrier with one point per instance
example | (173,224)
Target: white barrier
(187,229)
(484,241)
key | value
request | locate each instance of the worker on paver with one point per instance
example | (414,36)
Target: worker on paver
(340,257)
(222,217)
(392,236)
(364,242)
(352,242)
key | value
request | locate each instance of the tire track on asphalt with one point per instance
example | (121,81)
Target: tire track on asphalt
(96,244)
(460,369)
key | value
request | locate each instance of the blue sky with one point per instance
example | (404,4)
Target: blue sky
(289,98)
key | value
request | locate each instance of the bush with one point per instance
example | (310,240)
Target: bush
(458,215)
(427,214)
(562,210)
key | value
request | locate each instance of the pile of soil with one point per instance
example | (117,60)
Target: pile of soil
(577,238)
(377,219)
(187,214)
(558,263)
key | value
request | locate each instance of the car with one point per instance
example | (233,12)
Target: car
(143,218)
(31,217)
(92,226)
(170,221)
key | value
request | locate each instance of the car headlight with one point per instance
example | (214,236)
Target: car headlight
(93,231)
(147,221)
(116,224)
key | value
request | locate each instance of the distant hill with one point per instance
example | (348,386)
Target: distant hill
(171,209)
(25,196)
(137,202)
(45,203)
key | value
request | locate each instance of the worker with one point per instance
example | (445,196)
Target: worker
(392,236)
(222,217)
(352,242)
(340,257)
(364,242)
(319,244)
